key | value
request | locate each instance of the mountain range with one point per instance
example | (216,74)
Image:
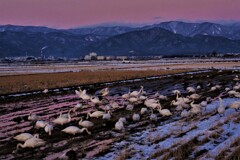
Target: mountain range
(165,38)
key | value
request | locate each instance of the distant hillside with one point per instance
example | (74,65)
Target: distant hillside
(53,43)
(159,39)
(101,30)
(206,28)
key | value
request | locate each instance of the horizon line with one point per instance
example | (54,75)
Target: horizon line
(127,24)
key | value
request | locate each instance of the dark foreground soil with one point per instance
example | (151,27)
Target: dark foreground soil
(14,113)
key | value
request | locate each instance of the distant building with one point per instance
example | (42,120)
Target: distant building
(121,57)
(110,57)
(100,58)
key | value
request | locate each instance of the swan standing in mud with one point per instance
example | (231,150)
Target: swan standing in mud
(85,123)
(220,109)
(176,92)
(63,120)
(31,143)
(107,116)
(75,130)
(129,107)
(95,114)
(25,136)
(191,90)
(136,93)
(104,92)
(40,124)
(48,129)
(143,111)
(195,96)
(33,117)
(95,100)
(136,117)
(76,107)
(164,112)
(127,95)
(119,125)
(153,117)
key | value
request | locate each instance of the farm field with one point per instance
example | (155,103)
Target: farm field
(19,78)
(202,135)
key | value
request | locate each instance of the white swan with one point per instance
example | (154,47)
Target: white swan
(185,114)
(114,105)
(129,107)
(179,108)
(195,96)
(85,96)
(143,110)
(95,100)
(107,116)
(176,92)
(104,92)
(153,117)
(195,105)
(40,124)
(63,120)
(199,87)
(76,107)
(75,130)
(80,92)
(64,115)
(220,109)
(48,129)
(127,95)
(95,114)
(31,143)
(33,117)
(136,117)
(45,91)
(235,105)
(123,119)
(142,98)
(191,90)
(204,104)
(133,100)
(164,112)
(136,93)
(25,136)
(85,123)
(195,110)
(119,125)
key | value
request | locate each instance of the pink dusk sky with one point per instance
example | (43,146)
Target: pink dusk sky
(75,13)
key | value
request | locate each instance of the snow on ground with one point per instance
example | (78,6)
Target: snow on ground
(168,134)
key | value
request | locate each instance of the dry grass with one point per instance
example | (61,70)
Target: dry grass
(24,83)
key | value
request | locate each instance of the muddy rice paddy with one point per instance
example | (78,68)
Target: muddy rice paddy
(204,136)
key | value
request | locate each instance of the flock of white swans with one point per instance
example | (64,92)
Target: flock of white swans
(186,106)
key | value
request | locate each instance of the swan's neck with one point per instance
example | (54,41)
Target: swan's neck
(80,120)
(160,107)
(221,103)
(69,116)
(88,115)
(177,96)
(20,145)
